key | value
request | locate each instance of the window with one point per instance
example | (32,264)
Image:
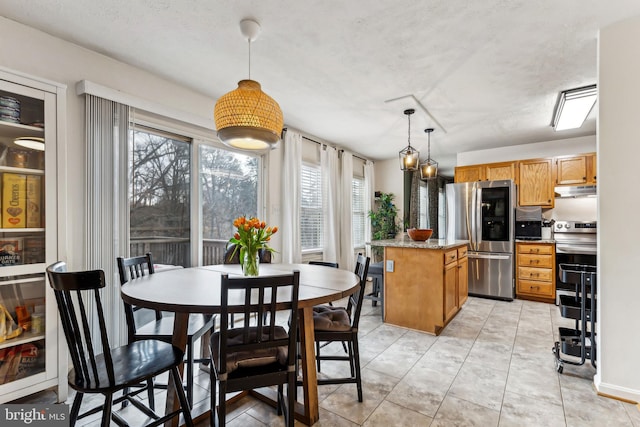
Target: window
(229,188)
(311,209)
(423,214)
(160,196)
(359,215)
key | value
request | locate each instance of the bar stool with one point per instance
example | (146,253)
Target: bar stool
(376,273)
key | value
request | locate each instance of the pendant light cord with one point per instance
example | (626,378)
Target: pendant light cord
(409,131)
(249,40)
(429,146)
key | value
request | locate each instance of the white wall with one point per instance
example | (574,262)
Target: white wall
(562,147)
(389,179)
(619,204)
(33,52)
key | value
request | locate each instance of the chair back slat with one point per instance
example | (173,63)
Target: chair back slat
(354,307)
(261,298)
(70,289)
(134,268)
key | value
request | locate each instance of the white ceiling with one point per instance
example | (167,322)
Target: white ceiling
(487,72)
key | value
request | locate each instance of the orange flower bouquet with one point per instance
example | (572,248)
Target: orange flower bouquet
(251,236)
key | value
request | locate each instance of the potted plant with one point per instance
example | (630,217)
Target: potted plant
(383,219)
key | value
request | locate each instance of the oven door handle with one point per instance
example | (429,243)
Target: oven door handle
(576,249)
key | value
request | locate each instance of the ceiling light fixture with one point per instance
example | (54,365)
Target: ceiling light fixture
(573,107)
(247,118)
(30,142)
(428,168)
(409,156)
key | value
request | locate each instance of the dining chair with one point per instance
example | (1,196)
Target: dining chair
(114,369)
(259,353)
(332,324)
(161,327)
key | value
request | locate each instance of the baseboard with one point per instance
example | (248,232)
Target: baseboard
(616,392)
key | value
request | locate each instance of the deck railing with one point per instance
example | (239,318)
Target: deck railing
(177,251)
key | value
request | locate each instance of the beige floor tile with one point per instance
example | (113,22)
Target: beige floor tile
(481,385)
(389,414)
(422,390)
(456,412)
(524,411)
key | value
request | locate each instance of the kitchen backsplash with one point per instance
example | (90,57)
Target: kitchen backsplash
(578,209)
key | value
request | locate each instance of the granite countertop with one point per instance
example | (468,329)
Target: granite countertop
(552,241)
(405,242)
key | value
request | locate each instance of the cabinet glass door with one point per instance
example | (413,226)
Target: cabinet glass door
(22,233)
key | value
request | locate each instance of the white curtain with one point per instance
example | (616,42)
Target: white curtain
(369,194)
(346,211)
(291,170)
(107,225)
(331,204)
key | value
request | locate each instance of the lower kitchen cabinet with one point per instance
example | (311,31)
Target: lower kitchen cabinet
(536,271)
(427,286)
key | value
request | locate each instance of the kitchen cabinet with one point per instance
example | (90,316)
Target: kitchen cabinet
(428,284)
(500,171)
(576,170)
(468,173)
(35,359)
(535,278)
(536,183)
(487,172)
(463,276)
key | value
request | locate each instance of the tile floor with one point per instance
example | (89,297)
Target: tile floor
(491,366)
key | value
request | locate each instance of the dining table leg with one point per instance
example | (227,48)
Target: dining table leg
(308,365)
(180,325)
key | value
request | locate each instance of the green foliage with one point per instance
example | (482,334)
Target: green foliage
(383,218)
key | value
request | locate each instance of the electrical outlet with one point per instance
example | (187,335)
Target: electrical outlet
(390,266)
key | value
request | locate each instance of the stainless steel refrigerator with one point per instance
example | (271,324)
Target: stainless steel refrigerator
(483,213)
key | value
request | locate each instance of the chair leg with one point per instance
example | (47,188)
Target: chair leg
(356,361)
(212,396)
(291,397)
(125,402)
(75,409)
(280,399)
(152,400)
(189,371)
(106,410)
(184,404)
(222,403)
(352,366)
(318,355)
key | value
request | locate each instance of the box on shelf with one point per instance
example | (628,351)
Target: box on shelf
(21,361)
(14,200)
(33,250)
(34,198)
(11,251)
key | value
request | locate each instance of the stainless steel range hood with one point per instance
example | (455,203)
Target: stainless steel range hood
(576,191)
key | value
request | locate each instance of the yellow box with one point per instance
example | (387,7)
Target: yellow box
(14,200)
(34,201)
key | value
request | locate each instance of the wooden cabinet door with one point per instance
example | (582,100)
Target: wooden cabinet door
(536,183)
(463,280)
(592,169)
(450,291)
(571,170)
(499,171)
(468,173)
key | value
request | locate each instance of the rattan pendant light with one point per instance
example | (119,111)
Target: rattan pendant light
(247,118)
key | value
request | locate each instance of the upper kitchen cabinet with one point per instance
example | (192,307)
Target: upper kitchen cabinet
(469,173)
(536,183)
(500,171)
(487,172)
(576,170)
(31,359)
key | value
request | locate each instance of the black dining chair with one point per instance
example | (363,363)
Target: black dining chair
(332,324)
(259,353)
(161,327)
(101,368)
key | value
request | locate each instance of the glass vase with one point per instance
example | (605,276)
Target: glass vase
(251,264)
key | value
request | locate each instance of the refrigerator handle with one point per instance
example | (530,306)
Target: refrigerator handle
(471,218)
(478,223)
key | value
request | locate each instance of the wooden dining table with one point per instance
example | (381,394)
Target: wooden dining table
(197,290)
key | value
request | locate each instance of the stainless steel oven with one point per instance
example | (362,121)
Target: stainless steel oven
(576,243)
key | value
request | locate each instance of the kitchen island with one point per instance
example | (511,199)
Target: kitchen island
(425,283)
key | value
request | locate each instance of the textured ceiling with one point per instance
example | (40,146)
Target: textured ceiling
(484,73)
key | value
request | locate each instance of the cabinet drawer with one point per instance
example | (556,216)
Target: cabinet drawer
(534,260)
(462,252)
(535,249)
(544,274)
(450,256)
(543,289)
